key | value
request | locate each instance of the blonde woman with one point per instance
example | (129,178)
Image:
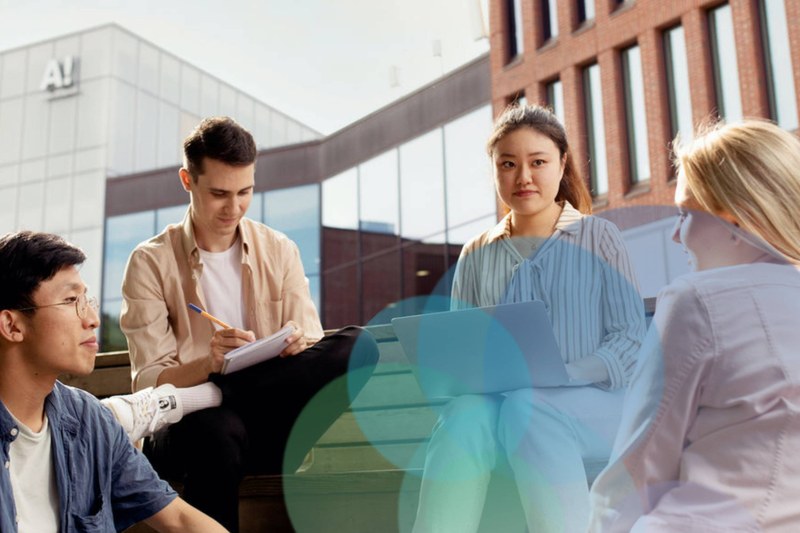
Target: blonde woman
(710,437)
(547,248)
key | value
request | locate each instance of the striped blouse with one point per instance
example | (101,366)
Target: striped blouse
(583,275)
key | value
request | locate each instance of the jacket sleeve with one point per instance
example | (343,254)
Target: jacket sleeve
(623,310)
(465,287)
(660,407)
(144,320)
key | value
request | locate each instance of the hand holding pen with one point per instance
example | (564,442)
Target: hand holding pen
(224,340)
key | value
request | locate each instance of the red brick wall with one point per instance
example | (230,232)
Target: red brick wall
(614,28)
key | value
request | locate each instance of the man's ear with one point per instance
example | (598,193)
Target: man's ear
(12,328)
(186,179)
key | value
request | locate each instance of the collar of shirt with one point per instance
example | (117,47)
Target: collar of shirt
(567,223)
(56,414)
(62,424)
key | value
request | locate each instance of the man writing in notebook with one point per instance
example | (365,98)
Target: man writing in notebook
(251,277)
(67,465)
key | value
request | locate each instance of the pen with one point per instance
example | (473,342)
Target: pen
(209,316)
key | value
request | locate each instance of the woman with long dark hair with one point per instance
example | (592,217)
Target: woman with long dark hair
(547,248)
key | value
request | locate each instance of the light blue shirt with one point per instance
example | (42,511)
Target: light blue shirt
(583,275)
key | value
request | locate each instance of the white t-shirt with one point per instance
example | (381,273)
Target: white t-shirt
(33,480)
(222,284)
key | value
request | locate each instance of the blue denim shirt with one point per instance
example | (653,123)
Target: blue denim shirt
(104,483)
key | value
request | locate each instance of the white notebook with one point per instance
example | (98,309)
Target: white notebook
(256,351)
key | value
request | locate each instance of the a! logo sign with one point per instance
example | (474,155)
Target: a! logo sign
(59,75)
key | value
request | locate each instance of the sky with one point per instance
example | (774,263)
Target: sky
(326,63)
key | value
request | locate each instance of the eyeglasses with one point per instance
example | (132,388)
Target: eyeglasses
(82,304)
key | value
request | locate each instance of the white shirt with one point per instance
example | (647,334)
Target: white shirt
(33,480)
(221,282)
(710,431)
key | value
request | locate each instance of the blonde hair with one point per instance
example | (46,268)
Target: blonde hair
(750,170)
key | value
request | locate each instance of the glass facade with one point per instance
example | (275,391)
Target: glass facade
(595,130)
(417,204)
(680,103)
(778,61)
(635,114)
(726,67)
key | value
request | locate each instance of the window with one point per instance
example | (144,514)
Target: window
(780,74)
(514,28)
(422,215)
(470,194)
(680,109)
(122,235)
(595,130)
(518,99)
(549,19)
(585,10)
(555,98)
(726,69)
(378,194)
(340,250)
(394,225)
(340,200)
(175,214)
(635,114)
(295,211)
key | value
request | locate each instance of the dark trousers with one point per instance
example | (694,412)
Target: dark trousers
(271,415)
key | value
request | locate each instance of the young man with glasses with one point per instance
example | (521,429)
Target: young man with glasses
(66,464)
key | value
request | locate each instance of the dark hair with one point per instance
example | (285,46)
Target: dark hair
(219,138)
(542,120)
(28,258)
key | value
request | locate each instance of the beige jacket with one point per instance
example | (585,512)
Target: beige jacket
(163,276)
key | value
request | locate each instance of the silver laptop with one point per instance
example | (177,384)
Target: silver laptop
(483,350)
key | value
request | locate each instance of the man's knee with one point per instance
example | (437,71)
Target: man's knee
(353,346)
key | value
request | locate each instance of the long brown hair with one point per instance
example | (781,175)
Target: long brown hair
(572,188)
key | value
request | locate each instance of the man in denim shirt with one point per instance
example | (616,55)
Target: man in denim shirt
(67,465)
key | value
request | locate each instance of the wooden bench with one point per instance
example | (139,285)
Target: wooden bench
(364,472)
(348,485)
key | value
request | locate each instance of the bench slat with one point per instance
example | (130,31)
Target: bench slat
(365,458)
(103,382)
(390,390)
(385,425)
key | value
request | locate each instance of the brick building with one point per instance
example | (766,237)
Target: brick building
(627,76)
